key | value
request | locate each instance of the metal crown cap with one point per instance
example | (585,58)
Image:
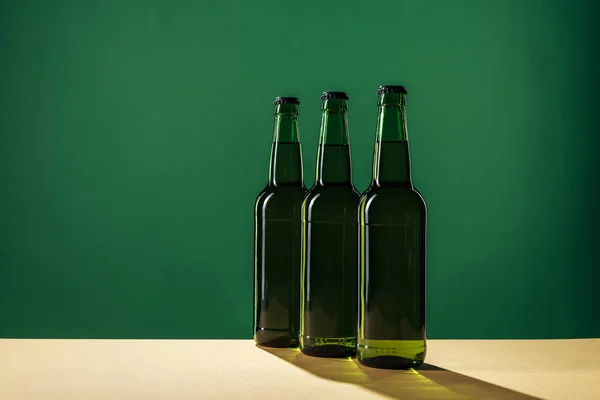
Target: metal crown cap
(391,89)
(286,100)
(334,95)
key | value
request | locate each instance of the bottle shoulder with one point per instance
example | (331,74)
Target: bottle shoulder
(331,203)
(392,192)
(282,191)
(280,197)
(388,201)
(333,192)
(325,196)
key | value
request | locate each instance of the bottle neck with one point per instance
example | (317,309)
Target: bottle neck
(333,156)
(286,153)
(391,161)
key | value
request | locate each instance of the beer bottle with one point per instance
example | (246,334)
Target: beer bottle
(329,239)
(392,220)
(277,235)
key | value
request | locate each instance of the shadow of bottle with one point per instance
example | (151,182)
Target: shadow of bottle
(427,383)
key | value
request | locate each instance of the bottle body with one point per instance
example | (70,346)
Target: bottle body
(392,220)
(277,235)
(329,235)
(392,223)
(329,278)
(277,266)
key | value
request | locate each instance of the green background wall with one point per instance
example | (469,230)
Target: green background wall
(135,135)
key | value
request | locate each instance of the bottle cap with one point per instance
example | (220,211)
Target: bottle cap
(286,100)
(391,89)
(334,95)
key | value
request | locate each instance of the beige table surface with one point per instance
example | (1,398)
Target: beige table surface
(237,369)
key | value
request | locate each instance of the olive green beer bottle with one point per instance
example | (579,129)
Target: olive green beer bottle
(329,237)
(277,235)
(392,221)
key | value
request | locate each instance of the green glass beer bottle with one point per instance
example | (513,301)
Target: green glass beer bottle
(392,221)
(329,236)
(277,235)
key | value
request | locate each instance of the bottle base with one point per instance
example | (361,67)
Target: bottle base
(389,362)
(275,338)
(391,354)
(328,347)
